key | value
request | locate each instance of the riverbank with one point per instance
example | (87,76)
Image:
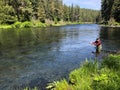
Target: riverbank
(93,75)
(24,25)
(36,24)
(40,24)
(109,25)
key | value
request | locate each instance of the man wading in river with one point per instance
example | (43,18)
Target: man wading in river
(98,45)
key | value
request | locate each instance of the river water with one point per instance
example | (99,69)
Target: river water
(37,56)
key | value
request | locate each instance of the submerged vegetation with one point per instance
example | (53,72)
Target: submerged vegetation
(14,38)
(93,75)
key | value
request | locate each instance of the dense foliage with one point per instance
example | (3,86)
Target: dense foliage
(44,11)
(110,9)
(93,76)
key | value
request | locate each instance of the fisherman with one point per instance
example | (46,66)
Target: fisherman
(98,45)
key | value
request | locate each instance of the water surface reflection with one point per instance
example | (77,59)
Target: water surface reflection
(33,57)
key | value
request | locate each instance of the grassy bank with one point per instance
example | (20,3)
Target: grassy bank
(93,75)
(110,23)
(24,25)
(35,24)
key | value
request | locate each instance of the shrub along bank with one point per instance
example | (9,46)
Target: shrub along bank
(24,25)
(92,75)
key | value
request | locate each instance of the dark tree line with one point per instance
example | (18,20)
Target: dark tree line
(54,10)
(110,9)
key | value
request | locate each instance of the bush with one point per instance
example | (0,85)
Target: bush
(42,20)
(60,85)
(112,62)
(22,25)
(106,80)
(111,21)
(27,88)
(26,24)
(90,76)
(17,25)
(117,24)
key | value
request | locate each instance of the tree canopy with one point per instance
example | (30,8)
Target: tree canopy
(54,10)
(110,9)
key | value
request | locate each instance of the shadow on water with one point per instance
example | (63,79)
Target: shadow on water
(36,56)
(111,39)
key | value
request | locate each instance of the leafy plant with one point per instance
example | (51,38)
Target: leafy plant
(112,62)
(27,88)
(17,25)
(92,76)
(106,80)
(26,24)
(59,85)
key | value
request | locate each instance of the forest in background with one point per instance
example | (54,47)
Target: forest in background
(45,11)
(110,11)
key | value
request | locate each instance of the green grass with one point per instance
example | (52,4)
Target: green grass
(34,23)
(24,25)
(112,62)
(93,75)
(27,88)
(5,26)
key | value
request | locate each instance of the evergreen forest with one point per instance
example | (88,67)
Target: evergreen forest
(45,11)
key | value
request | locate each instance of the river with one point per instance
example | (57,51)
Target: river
(36,56)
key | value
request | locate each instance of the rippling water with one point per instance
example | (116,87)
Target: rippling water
(36,56)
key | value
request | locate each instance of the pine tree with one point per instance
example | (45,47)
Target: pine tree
(7,13)
(116,10)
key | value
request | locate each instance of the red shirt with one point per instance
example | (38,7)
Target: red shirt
(97,43)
